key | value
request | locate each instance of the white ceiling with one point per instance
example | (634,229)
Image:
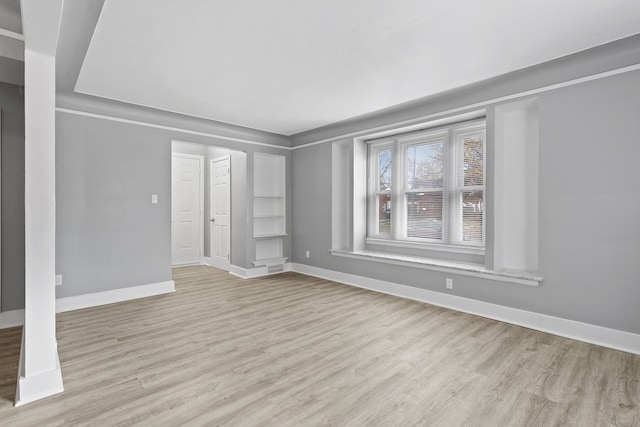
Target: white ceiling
(287,66)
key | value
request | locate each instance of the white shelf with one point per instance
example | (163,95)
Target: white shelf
(267,236)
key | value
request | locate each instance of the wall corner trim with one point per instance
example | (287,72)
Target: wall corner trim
(593,334)
(116,295)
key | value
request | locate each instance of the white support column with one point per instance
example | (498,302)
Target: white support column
(39,374)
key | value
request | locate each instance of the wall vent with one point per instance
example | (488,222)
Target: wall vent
(275,268)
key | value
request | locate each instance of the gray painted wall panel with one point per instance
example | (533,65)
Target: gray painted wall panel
(109,235)
(589,209)
(12,111)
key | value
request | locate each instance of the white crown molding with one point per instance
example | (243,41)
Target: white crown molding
(363,132)
(169,128)
(477,105)
(606,337)
(11,34)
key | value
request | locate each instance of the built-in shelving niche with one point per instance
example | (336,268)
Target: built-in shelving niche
(269,208)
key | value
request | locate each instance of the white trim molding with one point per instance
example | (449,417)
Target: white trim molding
(11,319)
(116,295)
(477,105)
(169,128)
(252,273)
(11,34)
(593,334)
(14,318)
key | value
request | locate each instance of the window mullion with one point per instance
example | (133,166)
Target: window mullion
(372,217)
(398,214)
(451,207)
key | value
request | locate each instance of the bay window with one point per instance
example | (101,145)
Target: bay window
(426,188)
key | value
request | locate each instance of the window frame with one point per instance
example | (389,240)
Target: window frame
(452,135)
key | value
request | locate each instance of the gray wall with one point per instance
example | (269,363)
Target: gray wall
(589,210)
(108,234)
(12,116)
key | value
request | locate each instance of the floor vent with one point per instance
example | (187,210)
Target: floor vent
(275,268)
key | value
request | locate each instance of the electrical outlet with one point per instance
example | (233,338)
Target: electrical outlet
(59,280)
(449,283)
(307,254)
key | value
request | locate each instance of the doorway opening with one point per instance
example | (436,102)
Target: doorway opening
(221,234)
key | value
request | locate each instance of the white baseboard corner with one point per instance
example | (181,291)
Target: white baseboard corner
(11,319)
(593,334)
(206,261)
(252,273)
(116,295)
(38,386)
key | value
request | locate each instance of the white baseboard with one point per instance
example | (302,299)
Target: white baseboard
(252,273)
(606,337)
(40,385)
(10,319)
(217,263)
(113,296)
(238,271)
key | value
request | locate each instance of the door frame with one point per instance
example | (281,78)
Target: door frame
(211,162)
(200,158)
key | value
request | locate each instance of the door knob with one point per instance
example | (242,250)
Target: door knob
(212,220)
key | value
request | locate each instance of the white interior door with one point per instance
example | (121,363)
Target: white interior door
(186,209)
(220,210)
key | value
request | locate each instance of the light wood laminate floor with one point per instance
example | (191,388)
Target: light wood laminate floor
(294,350)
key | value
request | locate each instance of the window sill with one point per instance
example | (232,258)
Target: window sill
(466,269)
(471,250)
